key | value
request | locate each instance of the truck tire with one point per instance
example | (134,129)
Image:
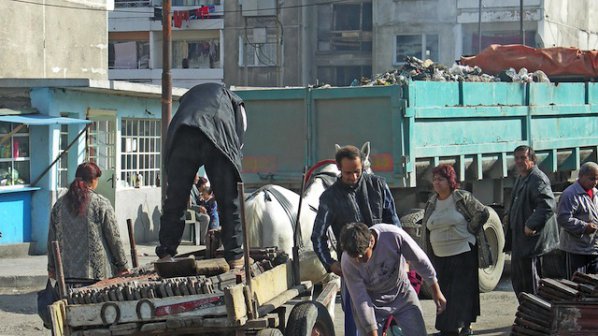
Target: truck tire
(269,332)
(490,276)
(309,317)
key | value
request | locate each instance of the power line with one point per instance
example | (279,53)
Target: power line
(222,12)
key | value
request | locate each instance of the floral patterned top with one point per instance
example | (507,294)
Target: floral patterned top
(90,244)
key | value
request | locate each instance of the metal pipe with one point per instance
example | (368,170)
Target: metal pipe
(59,270)
(60,156)
(241,191)
(166,84)
(134,259)
(297,235)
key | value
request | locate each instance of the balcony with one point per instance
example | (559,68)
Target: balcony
(185,78)
(132,3)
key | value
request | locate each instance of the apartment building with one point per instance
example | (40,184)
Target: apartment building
(34,34)
(135,42)
(444,30)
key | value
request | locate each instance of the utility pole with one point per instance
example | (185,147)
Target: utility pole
(166,85)
(521,22)
(480,27)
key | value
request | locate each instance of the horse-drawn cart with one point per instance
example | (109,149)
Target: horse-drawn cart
(195,304)
(192,295)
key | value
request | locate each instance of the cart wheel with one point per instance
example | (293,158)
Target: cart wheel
(309,318)
(269,332)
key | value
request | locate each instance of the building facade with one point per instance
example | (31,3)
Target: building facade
(123,136)
(444,30)
(34,35)
(135,42)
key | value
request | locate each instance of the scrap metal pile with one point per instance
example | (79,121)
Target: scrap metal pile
(416,69)
(548,312)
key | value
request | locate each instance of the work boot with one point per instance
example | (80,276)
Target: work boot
(239,263)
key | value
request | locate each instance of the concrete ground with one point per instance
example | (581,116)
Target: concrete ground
(497,312)
(22,277)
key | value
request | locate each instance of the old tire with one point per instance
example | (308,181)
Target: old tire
(490,276)
(269,332)
(307,318)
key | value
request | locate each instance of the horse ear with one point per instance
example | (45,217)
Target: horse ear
(336,147)
(365,149)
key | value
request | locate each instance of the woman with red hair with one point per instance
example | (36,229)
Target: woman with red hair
(83,223)
(452,219)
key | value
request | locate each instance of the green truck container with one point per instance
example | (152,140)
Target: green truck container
(415,126)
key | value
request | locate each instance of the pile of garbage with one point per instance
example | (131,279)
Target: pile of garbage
(416,69)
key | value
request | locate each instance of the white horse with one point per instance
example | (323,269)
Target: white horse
(271,213)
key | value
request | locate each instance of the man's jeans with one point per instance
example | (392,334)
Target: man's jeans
(191,149)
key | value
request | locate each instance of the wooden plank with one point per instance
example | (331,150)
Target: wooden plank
(153,328)
(144,310)
(281,299)
(57,312)
(329,292)
(124,329)
(235,303)
(270,284)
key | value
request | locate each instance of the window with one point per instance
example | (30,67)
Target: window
(140,151)
(412,45)
(257,52)
(63,181)
(343,75)
(14,154)
(198,54)
(352,16)
(128,54)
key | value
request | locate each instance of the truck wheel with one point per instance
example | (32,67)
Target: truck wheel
(490,275)
(269,332)
(309,318)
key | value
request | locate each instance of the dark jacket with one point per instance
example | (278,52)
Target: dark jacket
(369,202)
(532,205)
(215,111)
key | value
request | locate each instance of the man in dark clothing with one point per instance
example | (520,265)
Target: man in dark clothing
(207,130)
(531,227)
(354,197)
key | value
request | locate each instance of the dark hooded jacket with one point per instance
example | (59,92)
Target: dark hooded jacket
(216,112)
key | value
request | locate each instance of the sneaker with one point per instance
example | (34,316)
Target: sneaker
(239,263)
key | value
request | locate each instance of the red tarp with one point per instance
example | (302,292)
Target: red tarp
(553,61)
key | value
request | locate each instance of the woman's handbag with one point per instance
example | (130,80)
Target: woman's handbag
(46,297)
(485,258)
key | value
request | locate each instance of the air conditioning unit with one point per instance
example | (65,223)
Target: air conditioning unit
(258,7)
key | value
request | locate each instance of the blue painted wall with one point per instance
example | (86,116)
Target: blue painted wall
(44,148)
(15,216)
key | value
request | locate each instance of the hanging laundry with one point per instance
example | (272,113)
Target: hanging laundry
(185,16)
(204,12)
(177,19)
